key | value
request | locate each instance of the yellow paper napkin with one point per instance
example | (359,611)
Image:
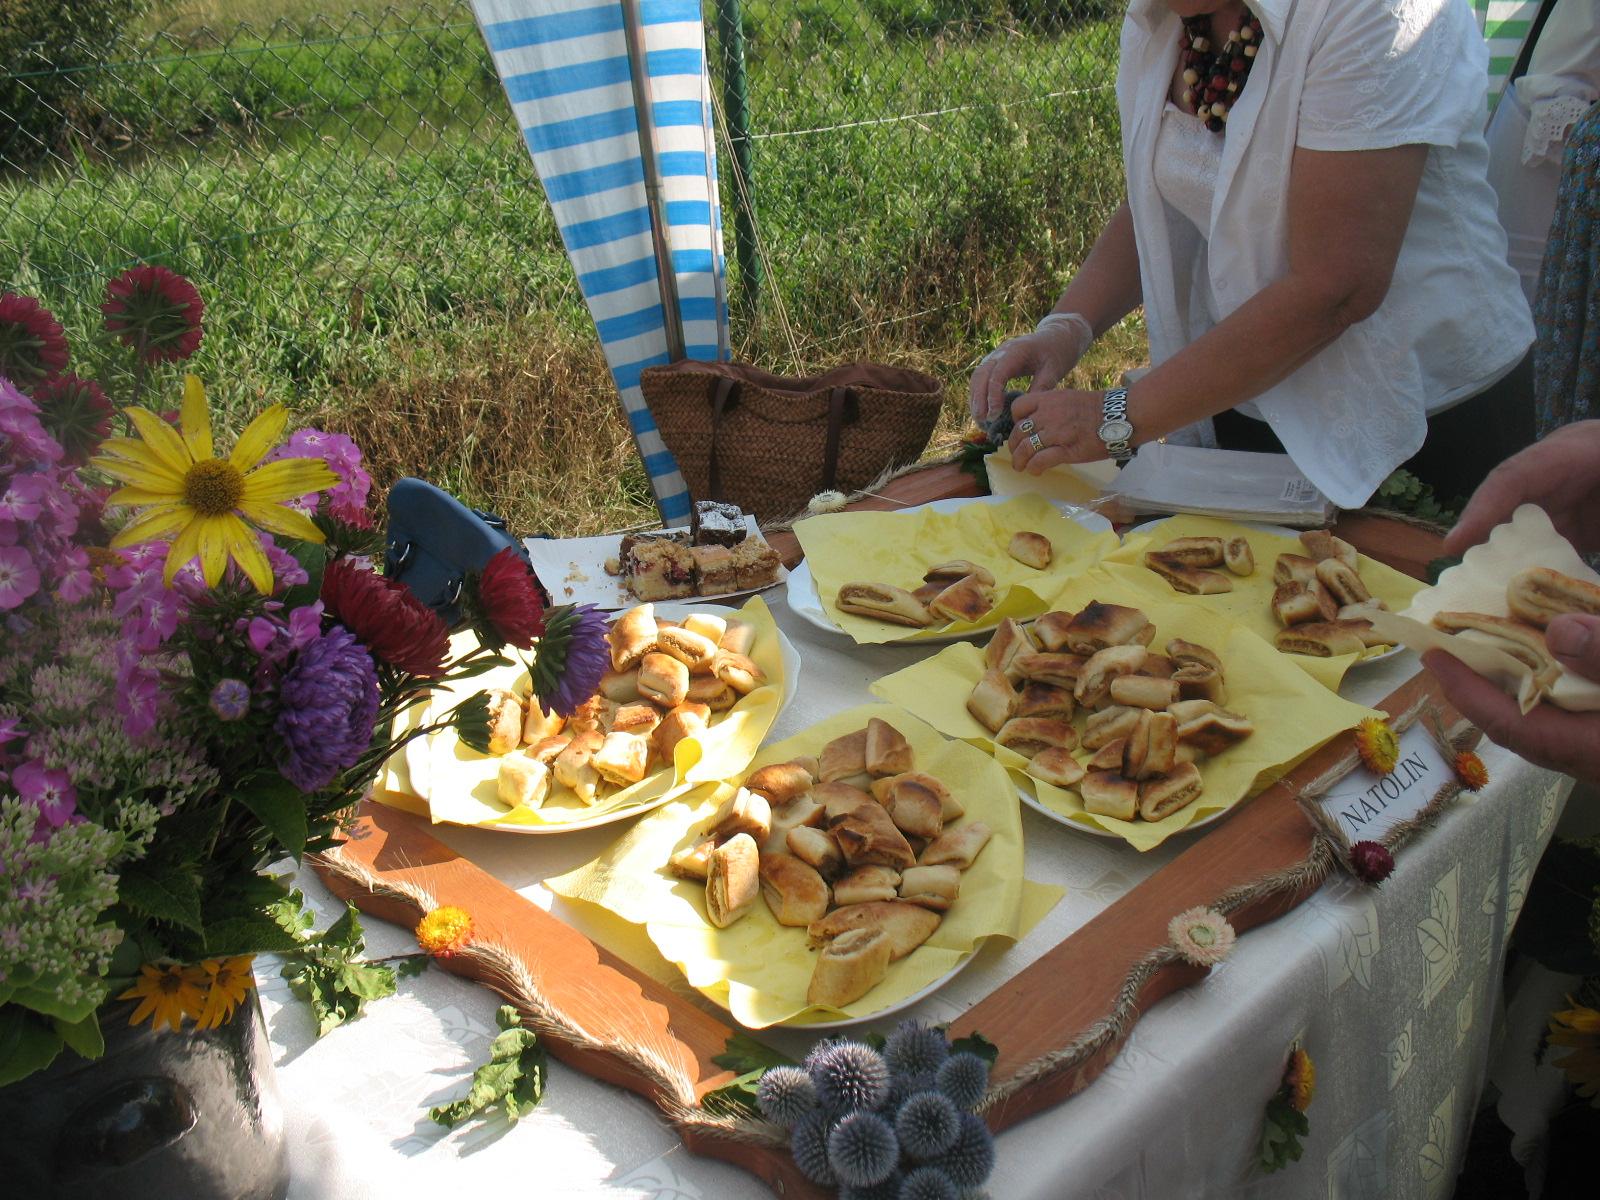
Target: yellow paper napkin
(760,970)
(897,548)
(1070,483)
(462,784)
(1292,714)
(1250,602)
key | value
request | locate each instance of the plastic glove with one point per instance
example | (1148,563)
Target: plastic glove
(1047,355)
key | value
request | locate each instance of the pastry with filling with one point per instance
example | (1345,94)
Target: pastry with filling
(711,692)
(849,967)
(916,812)
(1157,666)
(1108,725)
(522,781)
(538,724)
(1191,581)
(1538,595)
(865,885)
(594,713)
(868,837)
(934,888)
(1319,639)
(958,846)
(906,926)
(633,636)
(707,625)
(641,718)
(1053,668)
(1343,584)
(884,791)
(1051,630)
(744,812)
(992,701)
(780,782)
(887,751)
(1141,691)
(1031,549)
(967,600)
(793,890)
(1094,682)
(739,638)
(844,757)
(955,571)
(692,862)
(1177,790)
(621,686)
(1100,625)
(622,758)
(546,749)
(1190,653)
(686,720)
(1045,700)
(1152,747)
(1322,545)
(1293,604)
(1238,557)
(1215,731)
(883,603)
(1197,682)
(1194,551)
(505,721)
(663,680)
(1108,794)
(693,650)
(1056,766)
(660,570)
(817,849)
(1521,641)
(737,671)
(840,799)
(1294,568)
(1109,756)
(1031,735)
(733,880)
(573,766)
(1010,640)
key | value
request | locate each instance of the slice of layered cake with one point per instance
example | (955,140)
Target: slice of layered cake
(715,524)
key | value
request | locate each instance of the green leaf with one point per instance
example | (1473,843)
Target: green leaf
(976,1043)
(743,1054)
(248,935)
(41,997)
(325,970)
(1281,1131)
(292,916)
(162,895)
(412,964)
(313,556)
(281,808)
(345,933)
(27,1044)
(471,719)
(513,1078)
(737,1098)
(83,1036)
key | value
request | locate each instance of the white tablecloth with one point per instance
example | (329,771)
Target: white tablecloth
(1394,991)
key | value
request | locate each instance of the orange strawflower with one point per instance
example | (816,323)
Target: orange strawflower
(1377,745)
(445,931)
(166,994)
(1470,771)
(1299,1079)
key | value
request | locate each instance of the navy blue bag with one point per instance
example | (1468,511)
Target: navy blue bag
(434,540)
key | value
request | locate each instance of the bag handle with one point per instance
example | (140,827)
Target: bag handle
(722,400)
(839,399)
(841,402)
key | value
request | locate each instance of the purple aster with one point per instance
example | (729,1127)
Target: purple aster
(230,699)
(328,704)
(570,657)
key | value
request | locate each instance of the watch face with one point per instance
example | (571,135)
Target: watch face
(1116,431)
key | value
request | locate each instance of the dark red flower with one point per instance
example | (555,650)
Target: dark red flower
(386,617)
(509,599)
(1371,861)
(76,412)
(156,311)
(32,343)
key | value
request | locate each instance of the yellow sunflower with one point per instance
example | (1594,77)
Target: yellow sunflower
(211,507)
(230,979)
(166,994)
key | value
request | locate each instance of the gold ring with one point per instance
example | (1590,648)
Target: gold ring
(1036,442)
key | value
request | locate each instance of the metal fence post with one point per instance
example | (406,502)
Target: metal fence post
(736,107)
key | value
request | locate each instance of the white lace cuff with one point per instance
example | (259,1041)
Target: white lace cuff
(1549,122)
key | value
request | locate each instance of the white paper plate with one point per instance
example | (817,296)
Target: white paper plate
(804,602)
(915,998)
(417,751)
(1039,807)
(574,571)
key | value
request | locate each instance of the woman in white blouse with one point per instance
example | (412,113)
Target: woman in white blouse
(1311,233)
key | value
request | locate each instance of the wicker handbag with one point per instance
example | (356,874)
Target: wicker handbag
(768,443)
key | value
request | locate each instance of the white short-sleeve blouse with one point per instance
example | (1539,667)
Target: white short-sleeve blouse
(1336,75)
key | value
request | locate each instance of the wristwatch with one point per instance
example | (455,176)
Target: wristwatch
(1116,431)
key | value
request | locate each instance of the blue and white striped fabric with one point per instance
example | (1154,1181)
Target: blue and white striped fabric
(564,64)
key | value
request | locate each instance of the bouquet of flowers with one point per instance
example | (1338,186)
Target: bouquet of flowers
(200,677)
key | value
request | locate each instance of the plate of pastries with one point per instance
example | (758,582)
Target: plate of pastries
(691,691)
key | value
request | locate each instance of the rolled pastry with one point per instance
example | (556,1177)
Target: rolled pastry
(1152,746)
(1094,681)
(574,769)
(1109,756)
(1108,725)
(1327,606)
(849,967)
(1052,629)
(1045,700)
(1177,790)
(712,692)
(967,600)
(925,594)
(733,880)
(505,721)
(1108,794)
(522,782)
(906,926)
(867,836)
(1214,731)
(686,720)
(883,603)
(1322,545)
(709,626)
(1191,581)
(1157,666)
(546,749)
(817,849)
(538,724)
(793,890)
(740,636)
(1538,595)
(744,812)
(1523,642)
(693,650)
(840,799)
(1194,551)
(993,700)
(738,671)
(1197,682)
(692,862)
(593,714)
(1030,735)
(1319,639)
(1030,549)
(1010,639)
(1057,767)
(933,888)
(887,751)
(633,636)
(1238,557)
(844,757)
(959,846)
(621,686)
(915,811)
(1294,568)
(1293,604)
(780,782)
(1190,653)
(1048,666)
(1343,584)
(883,791)
(955,571)
(801,812)
(663,679)
(1100,625)
(641,718)
(1140,691)
(622,758)
(867,884)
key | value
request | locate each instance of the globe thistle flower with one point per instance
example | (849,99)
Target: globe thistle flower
(77,412)
(785,1095)
(915,1049)
(863,1149)
(230,700)
(1371,861)
(156,311)
(328,705)
(1377,745)
(508,609)
(969,1162)
(1470,771)
(928,1183)
(1202,936)
(33,346)
(964,1078)
(387,618)
(850,1077)
(808,1143)
(571,657)
(927,1124)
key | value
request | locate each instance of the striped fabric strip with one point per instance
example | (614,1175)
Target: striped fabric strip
(564,64)
(1505,25)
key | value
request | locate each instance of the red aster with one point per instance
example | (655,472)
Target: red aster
(1371,861)
(509,602)
(386,617)
(156,311)
(1470,771)
(76,412)
(32,343)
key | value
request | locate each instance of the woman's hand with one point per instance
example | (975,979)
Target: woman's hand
(1046,356)
(1067,424)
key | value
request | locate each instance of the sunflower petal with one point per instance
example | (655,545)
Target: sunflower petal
(155,522)
(162,439)
(288,479)
(276,519)
(184,547)
(214,547)
(259,436)
(126,449)
(196,418)
(141,475)
(140,496)
(244,547)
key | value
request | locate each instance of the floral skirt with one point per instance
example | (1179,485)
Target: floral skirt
(1566,356)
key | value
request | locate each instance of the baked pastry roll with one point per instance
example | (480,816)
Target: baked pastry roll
(1141,691)
(522,782)
(693,650)
(1197,682)
(621,686)
(1294,568)
(1045,666)
(739,637)
(1031,549)
(1293,604)
(1051,630)
(950,808)
(711,692)
(1343,584)
(1010,640)
(1191,581)
(967,600)
(573,766)
(1044,700)
(1190,710)
(663,679)
(925,594)
(1322,545)
(538,724)
(1215,731)
(692,862)
(546,749)
(865,885)
(1152,746)
(686,720)
(1108,725)
(801,812)
(1188,653)
(849,967)
(1538,595)
(1157,666)
(1029,735)
(933,888)
(1109,756)
(1327,606)
(817,849)
(780,782)
(1162,797)
(633,636)
(1100,625)
(1194,551)
(1319,639)
(737,671)
(733,880)
(916,812)
(707,625)
(641,718)
(1364,630)
(793,890)
(1056,766)
(622,758)
(887,751)
(744,812)
(840,799)
(955,571)
(594,713)
(869,837)
(844,757)
(993,700)
(906,926)
(959,846)
(1094,682)
(1238,557)
(883,603)
(1107,794)
(1523,642)
(505,720)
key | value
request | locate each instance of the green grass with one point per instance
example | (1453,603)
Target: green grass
(375,250)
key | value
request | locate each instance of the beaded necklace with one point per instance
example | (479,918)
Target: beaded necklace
(1213,79)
